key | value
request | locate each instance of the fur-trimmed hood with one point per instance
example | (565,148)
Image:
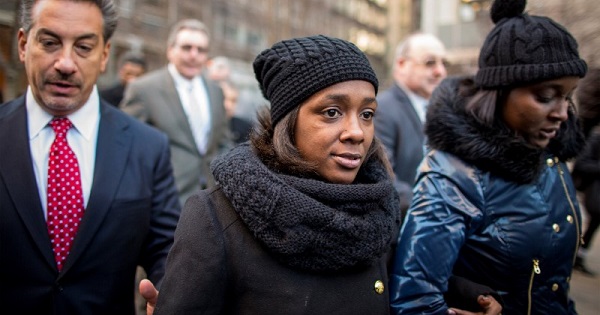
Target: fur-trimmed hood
(493,149)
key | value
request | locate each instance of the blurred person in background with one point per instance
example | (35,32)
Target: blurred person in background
(131,66)
(87,193)
(494,202)
(179,100)
(586,170)
(418,68)
(219,70)
(239,127)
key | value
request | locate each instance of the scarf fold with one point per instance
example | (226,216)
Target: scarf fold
(309,224)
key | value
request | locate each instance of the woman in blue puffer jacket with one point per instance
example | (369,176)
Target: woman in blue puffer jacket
(494,201)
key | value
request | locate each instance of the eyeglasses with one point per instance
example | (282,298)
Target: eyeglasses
(199,49)
(432,62)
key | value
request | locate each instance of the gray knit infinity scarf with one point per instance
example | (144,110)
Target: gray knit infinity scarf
(309,224)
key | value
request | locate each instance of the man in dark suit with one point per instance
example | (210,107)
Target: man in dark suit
(72,237)
(131,66)
(418,69)
(181,102)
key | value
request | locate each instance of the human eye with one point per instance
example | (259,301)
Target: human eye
(332,113)
(49,43)
(430,63)
(84,48)
(569,97)
(367,115)
(545,96)
(186,47)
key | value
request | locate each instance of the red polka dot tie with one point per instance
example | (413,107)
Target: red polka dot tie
(65,198)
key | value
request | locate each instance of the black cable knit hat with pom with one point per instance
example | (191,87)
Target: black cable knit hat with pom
(524,49)
(292,70)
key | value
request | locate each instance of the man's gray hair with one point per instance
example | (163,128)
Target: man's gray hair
(107,7)
(187,24)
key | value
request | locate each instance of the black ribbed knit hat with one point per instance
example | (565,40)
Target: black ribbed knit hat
(293,70)
(524,49)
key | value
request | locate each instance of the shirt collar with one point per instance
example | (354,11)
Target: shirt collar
(84,119)
(415,98)
(180,81)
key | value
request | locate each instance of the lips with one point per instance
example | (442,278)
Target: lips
(348,160)
(549,133)
(62,87)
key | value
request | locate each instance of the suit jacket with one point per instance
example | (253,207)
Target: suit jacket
(240,129)
(129,220)
(400,130)
(113,94)
(153,98)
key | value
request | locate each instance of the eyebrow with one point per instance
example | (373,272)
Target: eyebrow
(557,87)
(345,98)
(45,31)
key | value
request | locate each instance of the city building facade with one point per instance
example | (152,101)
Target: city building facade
(240,29)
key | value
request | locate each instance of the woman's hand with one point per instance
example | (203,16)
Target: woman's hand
(489,305)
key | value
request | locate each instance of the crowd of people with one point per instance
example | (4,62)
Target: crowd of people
(440,195)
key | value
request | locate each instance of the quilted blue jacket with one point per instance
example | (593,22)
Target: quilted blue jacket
(496,212)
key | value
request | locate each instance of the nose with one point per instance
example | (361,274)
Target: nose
(353,130)
(561,111)
(440,69)
(65,63)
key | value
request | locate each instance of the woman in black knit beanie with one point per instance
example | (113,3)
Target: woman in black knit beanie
(303,217)
(494,201)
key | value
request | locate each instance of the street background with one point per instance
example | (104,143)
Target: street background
(240,29)
(585,290)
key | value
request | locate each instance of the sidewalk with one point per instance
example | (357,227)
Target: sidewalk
(585,290)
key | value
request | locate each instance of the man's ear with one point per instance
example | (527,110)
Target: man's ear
(105,54)
(22,44)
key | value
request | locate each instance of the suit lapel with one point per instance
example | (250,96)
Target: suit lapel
(409,109)
(112,149)
(172,100)
(16,168)
(217,110)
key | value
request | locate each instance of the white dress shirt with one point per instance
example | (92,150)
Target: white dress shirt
(82,139)
(419,103)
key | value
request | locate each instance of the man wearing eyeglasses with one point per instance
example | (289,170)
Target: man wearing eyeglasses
(181,102)
(419,66)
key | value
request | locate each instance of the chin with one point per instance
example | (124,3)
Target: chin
(542,144)
(341,179)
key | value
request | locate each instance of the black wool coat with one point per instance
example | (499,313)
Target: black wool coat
(217,266)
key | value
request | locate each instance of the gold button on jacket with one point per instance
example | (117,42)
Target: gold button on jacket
(379,287)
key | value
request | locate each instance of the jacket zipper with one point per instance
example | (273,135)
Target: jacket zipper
(536,263)
(578,239)
(535,271)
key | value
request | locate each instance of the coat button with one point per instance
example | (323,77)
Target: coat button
(556,227)
(550,162)
(379,287)
(554,287)
(570,219)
